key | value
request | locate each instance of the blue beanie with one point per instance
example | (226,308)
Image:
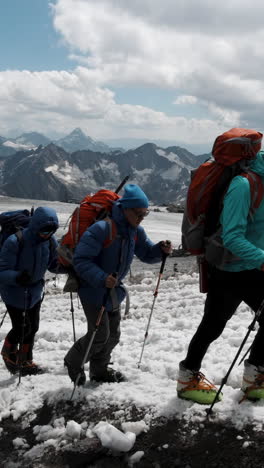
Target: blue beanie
(134,197)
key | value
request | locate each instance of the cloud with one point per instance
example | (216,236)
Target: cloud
(207,53)
(59,101)
(189,46)
(184,99)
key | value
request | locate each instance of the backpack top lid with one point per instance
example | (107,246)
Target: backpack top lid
(11,221)
(236,144)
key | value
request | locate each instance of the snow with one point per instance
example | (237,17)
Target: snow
(67,173)
(152,387)
(173,157)
(114,439)
(18,146)
(135,458)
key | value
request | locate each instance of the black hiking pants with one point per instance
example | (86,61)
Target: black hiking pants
(106,338)
(226,291)
(30,326)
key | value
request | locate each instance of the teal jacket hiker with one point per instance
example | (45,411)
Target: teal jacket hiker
(243,235)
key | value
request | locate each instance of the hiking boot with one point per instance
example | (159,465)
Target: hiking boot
(193,385)
(30,368)
(253,381)
(9,355)
(109,375)
(10,362)
(73,374)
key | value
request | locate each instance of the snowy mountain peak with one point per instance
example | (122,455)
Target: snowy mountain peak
(32,139)
(77,140)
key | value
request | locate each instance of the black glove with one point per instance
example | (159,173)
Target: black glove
(23,279)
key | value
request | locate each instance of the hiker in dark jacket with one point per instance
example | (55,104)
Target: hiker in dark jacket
(23,263)
(237,281)
(96,265)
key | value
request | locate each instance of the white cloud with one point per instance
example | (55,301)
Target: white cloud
(59,101)
(202,48)
(185,99)
(209,53)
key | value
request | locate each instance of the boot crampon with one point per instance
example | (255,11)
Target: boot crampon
(194,386)
(253,382)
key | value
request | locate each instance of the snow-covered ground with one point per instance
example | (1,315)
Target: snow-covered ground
(178,311)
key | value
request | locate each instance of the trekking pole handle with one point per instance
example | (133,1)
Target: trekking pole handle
(122,184)
(164,258)
(162,266)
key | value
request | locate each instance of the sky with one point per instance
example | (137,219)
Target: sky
(176,314)
(182,71)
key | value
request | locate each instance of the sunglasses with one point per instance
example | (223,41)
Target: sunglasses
(140,214)
(46,233)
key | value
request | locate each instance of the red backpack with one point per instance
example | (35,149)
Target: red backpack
(92,208)
(208,186)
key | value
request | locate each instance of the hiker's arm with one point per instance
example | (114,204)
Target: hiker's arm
(145,249)
(235,223)
(8,261)
(87,250)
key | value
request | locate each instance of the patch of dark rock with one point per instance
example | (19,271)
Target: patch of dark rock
(167,444)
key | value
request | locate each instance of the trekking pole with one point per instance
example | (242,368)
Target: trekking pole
(122,184)
(164,257)
(103,211)
(2,321)
(246,353)
(250,328)
(72,313)
(22,335)
(97,324)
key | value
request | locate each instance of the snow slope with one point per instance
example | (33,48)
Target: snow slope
(177,313)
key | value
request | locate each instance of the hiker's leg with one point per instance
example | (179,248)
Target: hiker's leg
(75,355)
(253,296)
(10,347)
(32,328)
(16,316)
(221,303)
(100,360)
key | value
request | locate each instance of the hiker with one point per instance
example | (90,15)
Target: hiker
(241,279)
(23,263)
(96,266)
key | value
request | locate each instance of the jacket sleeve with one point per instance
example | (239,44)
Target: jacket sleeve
(8,261)
(89,247)
(145,249)
(234,220)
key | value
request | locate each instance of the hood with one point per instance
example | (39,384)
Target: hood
(43,216)
(257,164)
(125,229)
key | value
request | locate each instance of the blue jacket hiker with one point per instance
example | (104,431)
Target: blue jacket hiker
(95,263)
(24,259)
(240,280)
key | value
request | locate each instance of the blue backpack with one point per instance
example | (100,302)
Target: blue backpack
(11,222)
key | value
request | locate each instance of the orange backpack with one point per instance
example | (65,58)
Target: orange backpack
(209,183)
(91,209)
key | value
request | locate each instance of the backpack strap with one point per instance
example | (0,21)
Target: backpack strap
(256,190)
(112,232)
(20,239)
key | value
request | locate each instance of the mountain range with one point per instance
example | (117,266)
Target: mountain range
(76,140)
(52,173)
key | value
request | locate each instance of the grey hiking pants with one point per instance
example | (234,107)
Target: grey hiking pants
(106,338)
